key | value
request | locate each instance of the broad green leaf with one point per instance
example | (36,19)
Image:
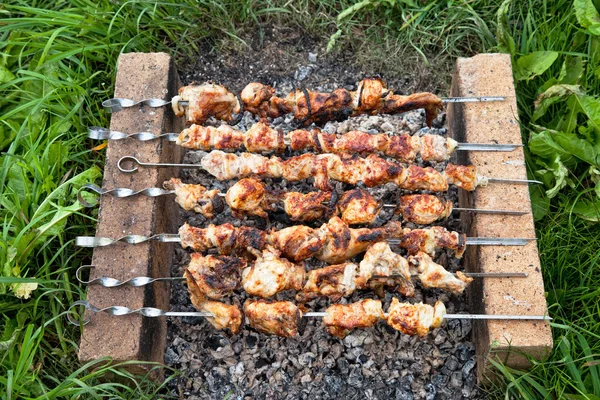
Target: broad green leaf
(591,108)
(552,95)
(540,203)
(534,64)
(543,145)
(506,43)
(588,210)
(578,147)
(586,13)
(594,29)
(595,177)
(571,71)
(560,173)
(5,75)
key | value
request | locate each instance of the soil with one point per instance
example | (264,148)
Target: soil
(375,363)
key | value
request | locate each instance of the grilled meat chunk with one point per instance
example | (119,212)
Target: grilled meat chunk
(334,281)
(305,207)
(214,276)
(205,101)
(210,138)
(464,176)
(279,318)
(195,197)
(380,260)
(433,238)
(250,197)
(226,238)
(433,275)
(340,319)
(423,209)
(415,319)
(271,274)
(358,206)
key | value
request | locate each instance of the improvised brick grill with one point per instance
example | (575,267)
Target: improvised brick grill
(261,244)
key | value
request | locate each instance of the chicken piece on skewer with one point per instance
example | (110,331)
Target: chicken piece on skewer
(250,197)
(225,316)
(464,177)
(214,277)
(415,319)
(433,275)
(381,261)
(297,242)
(208,138)
(433,238)
(205,101)
(271,274)
(260,100)
(195,197)
(305,207)
(227,238)
(279,318)
(340,319)
(358,206)
(333,281)
(423,209)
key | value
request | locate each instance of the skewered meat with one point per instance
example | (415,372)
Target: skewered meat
(423,209)
(333,242)
(334,281)
(372,170)
(358,207)
(279,318)
(195,197)
(261,138)
(380,260)
(214,277)
(206,101)
(251,197)
(372,97)
(225,316)
(340,319)
(270,274)
(433,275)
(415,319)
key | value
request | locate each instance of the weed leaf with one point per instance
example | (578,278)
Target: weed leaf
(534,64)
(506,43)
(586,13)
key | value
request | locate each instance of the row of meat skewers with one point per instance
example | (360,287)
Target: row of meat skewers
(265,263)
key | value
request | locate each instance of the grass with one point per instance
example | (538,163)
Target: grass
(57,61)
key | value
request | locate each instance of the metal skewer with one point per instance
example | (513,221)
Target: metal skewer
(137,163)
(155,312)
(120,310)
(98,133)
(155,192)
(144,280)
(95,241)
(117,104)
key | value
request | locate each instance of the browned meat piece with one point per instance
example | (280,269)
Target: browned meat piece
(358,206)
(437,148)
(205,101)
(415,319)
(224,316)
(367,99)
(226,238)
(305,207)
(262,138)
(279,318)
(271,274)
(195,197)
(260,100)
(396,104)
(403,147)
(314,139)
(225,166)
(298,242)
(423,209)
(360,142)
(334,281)
(210,138)
(250,197)
(380,260)
(433,275)
(213,276)
(463,176)
(340,319)
(430,239)
(419,178)
(309,107)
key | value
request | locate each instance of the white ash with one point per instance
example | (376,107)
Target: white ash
(375,363)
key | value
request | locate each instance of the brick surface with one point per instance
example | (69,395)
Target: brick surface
(487,75)
(133,337)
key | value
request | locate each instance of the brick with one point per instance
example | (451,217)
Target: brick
(133,337)
(487,75)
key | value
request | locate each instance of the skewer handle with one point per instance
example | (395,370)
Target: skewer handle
(76,318)
(98,133)
(117,104)
(118,192)
(475,99)
(487,147)
(137,163)
(94,241)
(112,282)
(517,181)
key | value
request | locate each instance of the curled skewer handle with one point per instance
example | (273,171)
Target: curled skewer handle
(137,163)
(120,311)
(112,282)
(93,241)
(117,104)
(118,192)
(98,133)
